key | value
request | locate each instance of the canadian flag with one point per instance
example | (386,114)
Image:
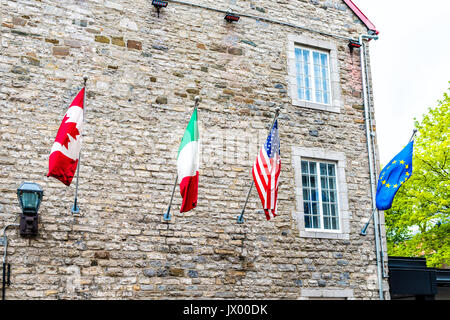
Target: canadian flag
(65,152)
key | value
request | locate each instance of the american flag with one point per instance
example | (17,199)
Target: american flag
(266,171)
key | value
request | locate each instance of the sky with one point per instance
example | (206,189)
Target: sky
(410,65)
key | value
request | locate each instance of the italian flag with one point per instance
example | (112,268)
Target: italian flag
(188,164)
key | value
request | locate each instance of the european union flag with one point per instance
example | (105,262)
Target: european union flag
(393,175)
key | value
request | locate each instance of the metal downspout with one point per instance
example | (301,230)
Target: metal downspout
(374,153)
(371,160)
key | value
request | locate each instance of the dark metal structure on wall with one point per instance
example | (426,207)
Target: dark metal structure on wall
(410,278)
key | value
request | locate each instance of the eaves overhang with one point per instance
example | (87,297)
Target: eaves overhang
(361,16)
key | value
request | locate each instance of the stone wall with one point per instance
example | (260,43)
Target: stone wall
(144,73)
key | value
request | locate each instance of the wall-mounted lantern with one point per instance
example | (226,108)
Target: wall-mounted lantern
(158,4)
(353,44)
(230,17)
(30,196)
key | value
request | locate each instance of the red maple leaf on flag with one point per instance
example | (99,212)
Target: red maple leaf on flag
(66,129)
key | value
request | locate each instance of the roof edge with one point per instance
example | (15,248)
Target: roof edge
(361,16)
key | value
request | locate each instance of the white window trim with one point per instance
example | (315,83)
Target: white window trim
(316,154)
(319,190)
(294,41)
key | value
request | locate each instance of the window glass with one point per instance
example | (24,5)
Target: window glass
(320,199)
(312,72)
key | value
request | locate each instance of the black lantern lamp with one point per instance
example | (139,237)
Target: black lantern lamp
(230,17)
(158,4)
(30,196)
(353,44)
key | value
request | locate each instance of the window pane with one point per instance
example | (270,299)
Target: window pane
(300,87)
(325,196)
(324,60)
(300,68)
(298,54)
(312,180)
(305,195)
(325,89)
(301,93)
(317,71)
(318,91)
(326,211)
(308,222)
(331,170)
(305,181)
(332,196)
(326,98)
(305,55)
(333,210)
(306,208)
(304,167)
(324,184)
(315,209)
(323,169)
(304,74)
(314,196)
(308,93)
(307,73)
(331,183)
(312,168)
(316,58)
(334,224)
(316,222)
(325,79)
(326,223)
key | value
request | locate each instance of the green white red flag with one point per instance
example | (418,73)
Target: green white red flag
(188,165)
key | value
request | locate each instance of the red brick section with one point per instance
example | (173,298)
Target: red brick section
(133,44)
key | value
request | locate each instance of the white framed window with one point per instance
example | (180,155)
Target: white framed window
(313,73)
(321,193)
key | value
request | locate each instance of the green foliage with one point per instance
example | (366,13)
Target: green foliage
(418,224)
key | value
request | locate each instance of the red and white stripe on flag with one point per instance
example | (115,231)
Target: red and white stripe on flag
(266,172)
(65,151)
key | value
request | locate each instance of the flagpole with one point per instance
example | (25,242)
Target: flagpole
(240,218)
(75,207)
(414,133)
(364,229)
(167,215)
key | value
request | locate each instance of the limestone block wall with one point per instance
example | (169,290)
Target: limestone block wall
(144,73)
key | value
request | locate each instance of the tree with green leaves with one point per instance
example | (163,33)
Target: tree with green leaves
(418,224)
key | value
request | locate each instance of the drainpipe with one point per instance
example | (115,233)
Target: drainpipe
(370,149)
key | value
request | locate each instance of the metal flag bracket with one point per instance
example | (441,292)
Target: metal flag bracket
(240,218)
